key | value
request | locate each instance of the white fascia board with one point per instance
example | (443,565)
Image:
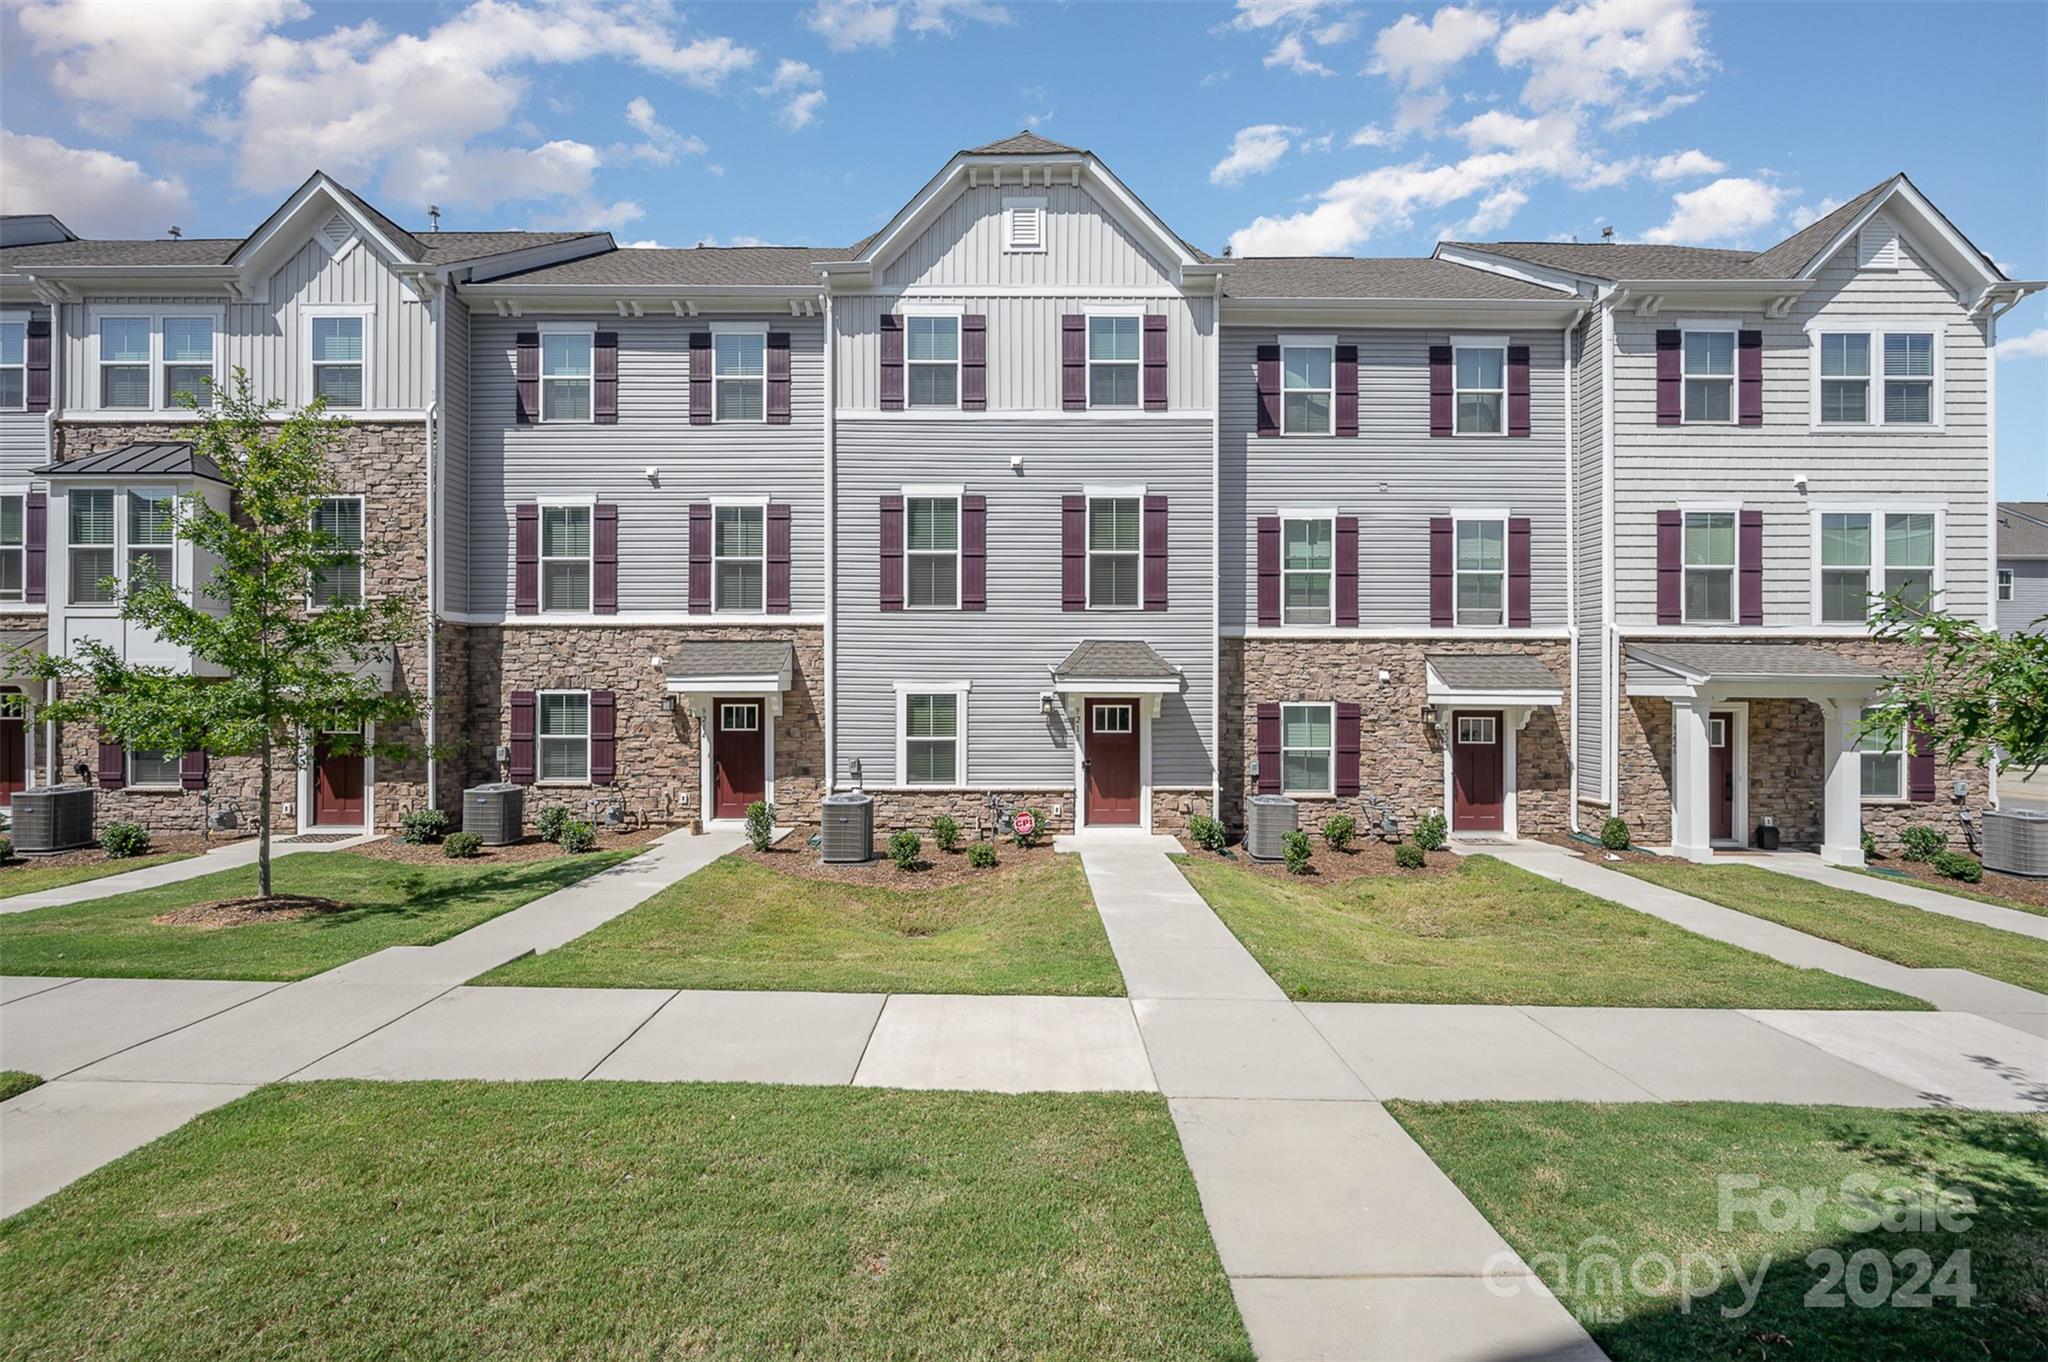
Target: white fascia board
(1495,699)
(1511,313)
(251,252)
(1933,226)
(1544,276)
(1118,685)
(759,683)
(487,267)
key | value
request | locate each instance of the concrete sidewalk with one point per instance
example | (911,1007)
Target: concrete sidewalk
(1906,892)
(237,853)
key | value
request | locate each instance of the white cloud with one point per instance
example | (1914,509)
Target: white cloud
(2033,345)
(1634,115)
(1370,135)
(1418,112)
(801,84)
(96,192)
(1258,14)
(802,110)
(1685,165)
(1603,51)
(1418,53)
(1253,151)
(663,143)
(849,24)
(938,16)
(1355,209)
(1805,215)
(1495,211)
(127,61)
(644,244)
(1727,211)
(1290,52)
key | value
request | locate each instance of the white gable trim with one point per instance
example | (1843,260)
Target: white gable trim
(1955,258)
(284,228)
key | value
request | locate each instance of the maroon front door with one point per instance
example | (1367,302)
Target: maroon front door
(1721,775)
(739,775)
(337,782)
(1111,760)
(1478,773)
(13,745)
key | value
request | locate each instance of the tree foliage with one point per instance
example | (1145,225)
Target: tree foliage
(1973,693)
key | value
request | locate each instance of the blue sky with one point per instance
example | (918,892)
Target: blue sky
(1279,126)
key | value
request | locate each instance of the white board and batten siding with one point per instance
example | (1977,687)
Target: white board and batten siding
(455,427)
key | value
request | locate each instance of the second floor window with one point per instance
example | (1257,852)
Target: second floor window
(738,558)
(932,551)
(1115,544)
(13,523)
(1709,376)
(740,375)
(1709,567)
(564,736)
(565,375)
(1865,555)
(1482,569)
(92,546)
(13,366)
(124,362)
(565,558)
(1307,387)
(1307,566)
(339,583)
(1113,361)
(1482,386)
(1908,379)
(1307,744)
(188,360)
(931,352)
(338,360)
(152,535)
(1904,362)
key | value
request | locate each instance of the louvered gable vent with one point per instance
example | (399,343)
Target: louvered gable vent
(337,232)
(1023,224)
(1877,246)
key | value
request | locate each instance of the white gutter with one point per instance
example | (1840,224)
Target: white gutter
(1216,550)
(831,472)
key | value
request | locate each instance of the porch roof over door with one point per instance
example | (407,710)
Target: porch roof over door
(1691,670)
(1508,679)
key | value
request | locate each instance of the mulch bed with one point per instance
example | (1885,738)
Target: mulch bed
(794,855)
(240,912)
(1334,867)
(529,848)
(94,856)
(2015,887)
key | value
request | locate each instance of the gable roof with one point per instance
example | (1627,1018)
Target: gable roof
(697,266)
(1324,276)
(1796,252)
(1025,143)
(405,240)
(189,251)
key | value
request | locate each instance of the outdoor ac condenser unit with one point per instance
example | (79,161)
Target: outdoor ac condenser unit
(496,813)
(848,834)
(2015,841)
(1269,820)
(52,818)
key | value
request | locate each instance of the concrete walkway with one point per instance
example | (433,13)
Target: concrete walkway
(1906,892)
(236,853)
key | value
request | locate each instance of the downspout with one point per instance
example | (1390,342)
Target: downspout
(50,757)
(1216,547)
(1571,560)
(437,433)
(1610,639)
(831,359)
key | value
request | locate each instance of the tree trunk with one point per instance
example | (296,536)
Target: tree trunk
(263,821)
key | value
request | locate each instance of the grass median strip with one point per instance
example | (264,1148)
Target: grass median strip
(738,924)
(521,1220)
(1891,931)
(29,878)
(13,1083)
(388,903)
(1703,1232)
(1494,933)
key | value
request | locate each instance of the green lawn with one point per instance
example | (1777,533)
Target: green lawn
(13,1083)
(1891,931)
(1959,889)
(630,1220)
(391,904)
(1631,1182)
(30,878)
(738,924)
(1493,933)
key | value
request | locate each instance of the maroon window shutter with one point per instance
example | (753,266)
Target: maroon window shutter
(526,558)
(36,353)
(192,769)
(1749,377)
(1347,571)
(1749,558)
(1920,760)
(604,558)
(892,552)
(1269,390)
(700,378)
(1518,390)
(1348,724)
(1073,362)
(973,362)
(35,539)
(1074,553)
(604,379)
(1670,378)
(1347,391)
(1518,572)
(700,557)
(1670,568)
(1269,749)
(778,378)
(892,362)
(1442,398)
(520,766)
(973,552)
(777,592)
(1269,571)
(113,764)
(604,745)
(1155,362)
(1442,573)
(1153,534)
(526,375)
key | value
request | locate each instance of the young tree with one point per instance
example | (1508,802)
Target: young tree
(289,671)
(1974,693)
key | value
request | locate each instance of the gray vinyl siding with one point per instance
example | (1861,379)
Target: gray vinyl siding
(1947,470)
(1084,244)
(1589,708)
(24,435)
(455,565)
(2029,603)
(1394,476)
(510,463)
(1008,650)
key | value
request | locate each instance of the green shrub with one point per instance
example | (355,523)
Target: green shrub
(1206,832)
(122,840)
(1432,833)
(1408,856)
(1028,827)
(1298,851)
(422,826)
(1869,845)
(462,846)
(1338,830)
(904,848)
(577,836)
(982,855)
(760,824)
(1614,834)
(550,821)
(945,833)
(1923,843)
(6,848)
(1957,866)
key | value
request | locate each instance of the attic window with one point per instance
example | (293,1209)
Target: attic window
(337,232)
(1023,224)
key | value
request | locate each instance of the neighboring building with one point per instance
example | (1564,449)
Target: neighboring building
(2022,583)
(1025,499)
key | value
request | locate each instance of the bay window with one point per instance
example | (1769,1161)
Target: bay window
(152,535)
(92,546)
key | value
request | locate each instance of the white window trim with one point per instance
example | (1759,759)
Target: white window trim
(954,310)
(367,313)
(1015,204)
(1138,365)
(1898,759)
(1329,708)
(725,329)
(959,690)
(153,315)
(1499,343)
(718,504)
(362,519)
(929,493)
(1306,342)
(121,546)
(589,504)
(1093,495)
(1877,329)
(20,319)
(2005,581)
(590,380)
(150,786)
(1722,327)
(1482,515)
(541,738)
(1309,513)
(1686,511)
(21,548)
(1877,511)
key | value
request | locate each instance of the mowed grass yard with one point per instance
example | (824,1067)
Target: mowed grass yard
(26,877)
(630,1220)
(1891,931)
(1598,1199)
(389,903)
(740,925)
(1494,933)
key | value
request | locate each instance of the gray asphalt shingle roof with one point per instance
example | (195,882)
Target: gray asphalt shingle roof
(138,460)
(1759,661)
(1026,143)
(1324,276)
(1618,260)
(698,266)
(2023,529)
(730,657)
(1115,659)
(190,251)
(1492,672)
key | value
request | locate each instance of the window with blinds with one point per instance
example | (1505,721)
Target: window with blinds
(339,583)
(92,547)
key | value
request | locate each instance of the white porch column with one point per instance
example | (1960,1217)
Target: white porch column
(1842,805)
(1691,835)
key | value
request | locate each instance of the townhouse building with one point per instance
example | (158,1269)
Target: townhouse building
(1025,500)
(2022,581)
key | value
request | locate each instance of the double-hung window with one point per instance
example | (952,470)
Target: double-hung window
(152,535)
(738,558)
(1307,569)
(1709,560)
(565,375)
(1480,379)
(1115,546)
(1307,387)
(1865,555)
(339,583)
(932,552)
(92,546)
(1909,557)
(1709,371)
(1307,743)
(2004,574)
(1844,378)
(1904,363)
(1908,378)
(13,550)
(564,736)
(1884,765)
(188,361)
(565,558)
(152,769)
(931,738)
(740,375)
(1481,565)
(1113,361)
(931,352)
(337,342)
(124,362)
(13,364)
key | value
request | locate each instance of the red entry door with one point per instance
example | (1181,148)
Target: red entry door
(1721,775)
(739,773)
(337,782)
(13,744)
(1478,773)
(1111,759)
